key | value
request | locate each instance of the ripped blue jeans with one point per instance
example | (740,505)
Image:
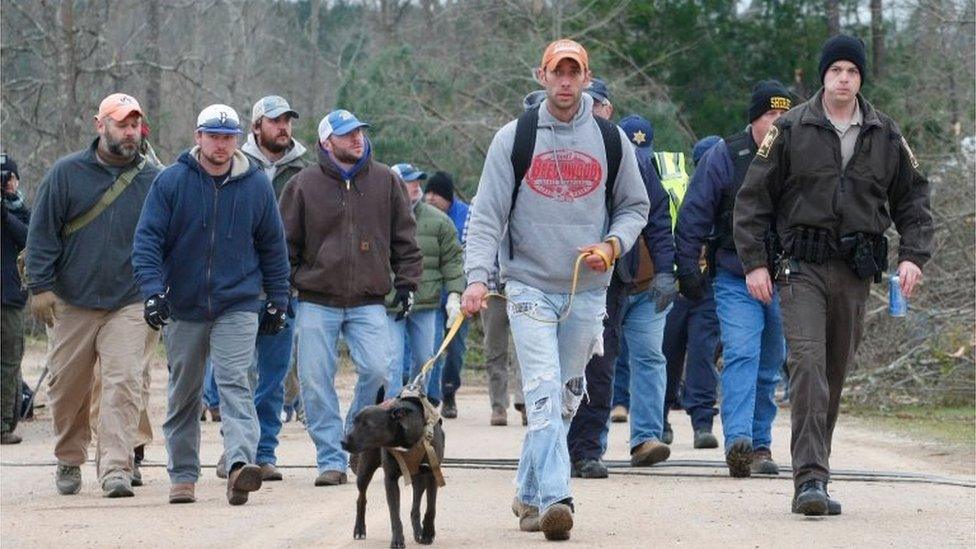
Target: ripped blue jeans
(552,357)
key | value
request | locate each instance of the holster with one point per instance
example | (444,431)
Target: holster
(866,254)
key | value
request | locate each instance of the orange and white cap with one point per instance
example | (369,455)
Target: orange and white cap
(118,106)
(565,49)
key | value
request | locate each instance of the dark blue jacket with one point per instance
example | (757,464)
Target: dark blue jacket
(211,248)
(713,177)
(13,235)
(657,232)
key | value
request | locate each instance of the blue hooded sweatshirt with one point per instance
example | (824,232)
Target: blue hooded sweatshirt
(211,248)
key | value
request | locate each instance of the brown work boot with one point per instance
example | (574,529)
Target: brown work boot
(762,462)
(649,452)
(240,481)
(9,438)
(528,515)
(499,417)
(618,414)
(557,520)
(331,478)
(181,493)
(270,472)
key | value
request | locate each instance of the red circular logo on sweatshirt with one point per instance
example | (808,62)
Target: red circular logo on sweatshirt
(564,175)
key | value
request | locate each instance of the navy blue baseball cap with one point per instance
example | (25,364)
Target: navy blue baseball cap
(639,130)
(598,90)
(409,172)
(339,122)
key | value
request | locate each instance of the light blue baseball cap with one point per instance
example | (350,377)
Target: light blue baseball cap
(339,122)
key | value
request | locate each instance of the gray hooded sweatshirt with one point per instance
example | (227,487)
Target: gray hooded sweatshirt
(561,205)
(292,158)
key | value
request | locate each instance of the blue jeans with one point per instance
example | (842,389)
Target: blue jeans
(753,351)
(447,370)
(552,356)
(417,331)
(210,395)
(621,377)
(643,330)
(272,355)
(690,340)
(318,329)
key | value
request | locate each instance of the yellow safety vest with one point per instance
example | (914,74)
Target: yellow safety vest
(674,179)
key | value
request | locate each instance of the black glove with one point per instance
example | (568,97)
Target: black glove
(690,286)
(272,319)
(157,311)
(403,299)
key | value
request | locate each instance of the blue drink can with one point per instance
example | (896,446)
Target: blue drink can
(897,304)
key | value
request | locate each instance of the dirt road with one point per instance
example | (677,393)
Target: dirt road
(702,507)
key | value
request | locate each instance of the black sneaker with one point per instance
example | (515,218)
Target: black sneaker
(739,459)
(588,468)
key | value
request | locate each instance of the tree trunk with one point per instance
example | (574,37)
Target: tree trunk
(154,75)
(68,54)
(833,17)
(316,88)
(877,39)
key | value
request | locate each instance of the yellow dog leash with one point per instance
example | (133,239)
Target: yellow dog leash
(456,326)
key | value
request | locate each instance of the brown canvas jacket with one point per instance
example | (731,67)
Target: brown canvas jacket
(347,237)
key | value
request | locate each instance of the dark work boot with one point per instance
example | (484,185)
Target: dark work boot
(739,459)
(589,468)
(705,439)
(811,499)
(449,409)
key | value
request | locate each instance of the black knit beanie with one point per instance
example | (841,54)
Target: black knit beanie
(442,184)
(768,95)
(843,47)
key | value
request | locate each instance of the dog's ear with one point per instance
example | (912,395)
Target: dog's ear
(399,412)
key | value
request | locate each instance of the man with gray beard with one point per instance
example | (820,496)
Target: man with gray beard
(80,279)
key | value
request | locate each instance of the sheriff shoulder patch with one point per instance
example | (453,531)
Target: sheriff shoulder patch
(767,142)
(911,155)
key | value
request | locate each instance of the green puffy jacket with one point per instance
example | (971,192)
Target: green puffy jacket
(442,252)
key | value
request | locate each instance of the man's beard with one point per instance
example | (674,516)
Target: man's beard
(345,156)
(127,149)
(272,145)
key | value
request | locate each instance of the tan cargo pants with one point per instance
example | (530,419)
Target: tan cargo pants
(145,433)
(117,340)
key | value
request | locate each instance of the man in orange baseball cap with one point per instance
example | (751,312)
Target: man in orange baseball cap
(557,162)
(118,106)
(79,273)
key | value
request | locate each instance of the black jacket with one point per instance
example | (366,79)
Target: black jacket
(796,179)
(13,237)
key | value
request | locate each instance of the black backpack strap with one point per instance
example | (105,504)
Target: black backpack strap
(522,148)
(614,150)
